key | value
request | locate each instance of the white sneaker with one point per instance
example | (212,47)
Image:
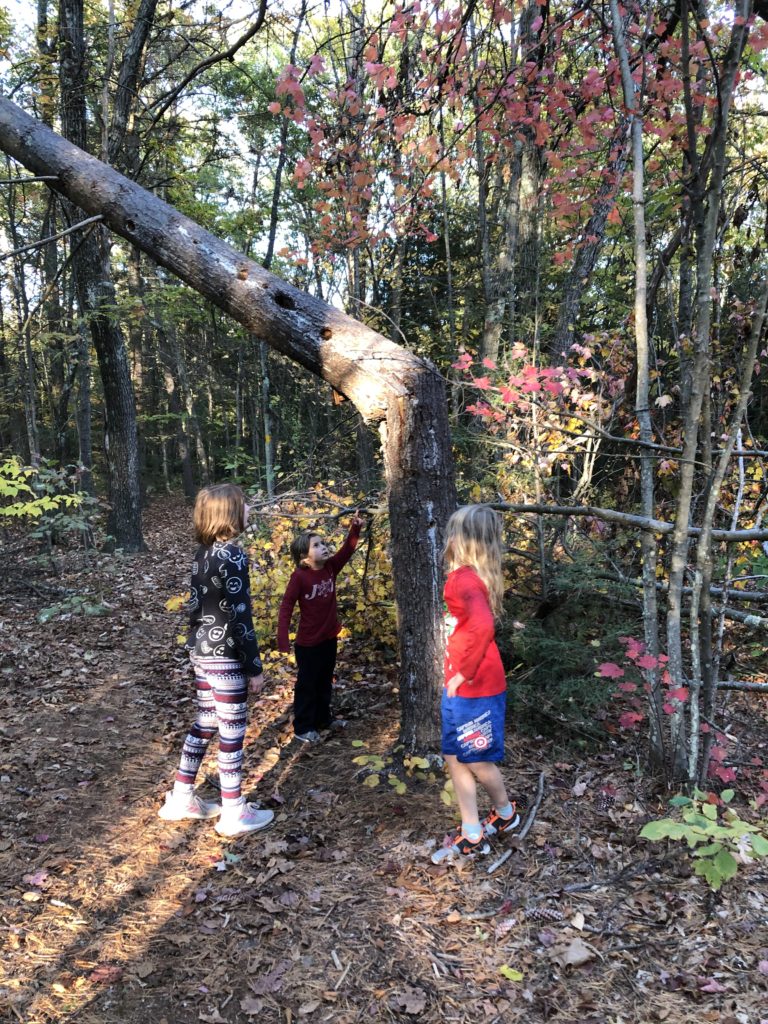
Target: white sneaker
(240,817)
(179,806)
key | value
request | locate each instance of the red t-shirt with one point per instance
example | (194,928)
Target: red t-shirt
(470,648)
(315,590)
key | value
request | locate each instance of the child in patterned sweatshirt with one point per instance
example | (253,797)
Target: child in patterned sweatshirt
(225,657)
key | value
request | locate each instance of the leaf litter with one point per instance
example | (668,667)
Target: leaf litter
(336,914)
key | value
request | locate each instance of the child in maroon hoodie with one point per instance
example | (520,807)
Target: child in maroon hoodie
(313,585)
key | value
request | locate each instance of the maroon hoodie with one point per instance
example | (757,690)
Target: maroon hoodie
(315,590)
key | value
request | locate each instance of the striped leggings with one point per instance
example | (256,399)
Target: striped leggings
(222,693)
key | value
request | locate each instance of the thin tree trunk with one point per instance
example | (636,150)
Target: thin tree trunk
(703,574)
(705,242)
(96,299)
(589,248)
(633,103)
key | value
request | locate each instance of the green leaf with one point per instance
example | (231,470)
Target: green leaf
(727,795)
(759,845)
(709,851)
(371,780)
(656,830)
(726,864)
(359,743)
(680,801)
(707,869)
(709,811)
(361,759)
(510,973)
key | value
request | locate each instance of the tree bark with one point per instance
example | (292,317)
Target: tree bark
(386,383)
(633,104)
(589,250)
(96,299)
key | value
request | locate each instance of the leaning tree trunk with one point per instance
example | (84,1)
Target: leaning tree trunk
(389,385)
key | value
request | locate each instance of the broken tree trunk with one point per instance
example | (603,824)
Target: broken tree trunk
(388,384)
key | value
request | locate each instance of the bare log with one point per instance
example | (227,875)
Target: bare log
(610,515)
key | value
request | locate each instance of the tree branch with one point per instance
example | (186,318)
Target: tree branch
(51,238)
(610,515)
(216,58)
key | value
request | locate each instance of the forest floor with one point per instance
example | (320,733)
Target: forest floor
(109,914)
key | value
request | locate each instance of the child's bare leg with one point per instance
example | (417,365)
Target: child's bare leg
(488,775)
(465,788)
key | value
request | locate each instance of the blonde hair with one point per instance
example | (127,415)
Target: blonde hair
(219,513)
(473,538)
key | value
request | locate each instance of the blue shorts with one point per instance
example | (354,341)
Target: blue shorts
(473,727)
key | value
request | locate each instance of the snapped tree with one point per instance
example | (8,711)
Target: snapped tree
(389,385)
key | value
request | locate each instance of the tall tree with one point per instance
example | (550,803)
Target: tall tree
(96,299)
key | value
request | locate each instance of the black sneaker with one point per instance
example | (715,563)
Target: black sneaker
(460,846)
(494,823)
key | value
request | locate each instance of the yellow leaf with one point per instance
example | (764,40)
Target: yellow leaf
(371,781)
(510,973)
(446,798)
(176,603)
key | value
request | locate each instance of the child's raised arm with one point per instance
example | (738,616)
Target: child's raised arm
(343,555)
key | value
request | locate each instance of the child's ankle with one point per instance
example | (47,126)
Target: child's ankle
(472,831)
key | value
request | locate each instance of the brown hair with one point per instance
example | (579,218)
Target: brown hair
(219,513)
(473,538)
(300,545)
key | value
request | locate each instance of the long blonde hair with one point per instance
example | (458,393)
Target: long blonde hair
(219,513)
(473,538)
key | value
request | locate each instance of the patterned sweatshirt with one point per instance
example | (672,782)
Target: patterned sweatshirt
(471,648)
(220,619)
(315,590)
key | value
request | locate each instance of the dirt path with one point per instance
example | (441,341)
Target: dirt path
(335,914)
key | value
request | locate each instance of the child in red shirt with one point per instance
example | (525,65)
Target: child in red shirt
(313,585)
(474,698)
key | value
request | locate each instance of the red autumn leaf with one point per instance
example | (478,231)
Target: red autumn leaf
(489,364)
(628,687)
(630,719)
(681,693)
(668,709)
(647,661)
(482,382)
(610,670)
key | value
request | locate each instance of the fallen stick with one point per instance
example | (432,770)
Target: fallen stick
(526,827)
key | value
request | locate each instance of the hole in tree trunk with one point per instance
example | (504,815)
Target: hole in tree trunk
(284,299)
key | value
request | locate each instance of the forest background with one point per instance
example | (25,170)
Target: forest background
(547,224)
(560,207)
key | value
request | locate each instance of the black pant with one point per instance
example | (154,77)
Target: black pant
(314,683)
